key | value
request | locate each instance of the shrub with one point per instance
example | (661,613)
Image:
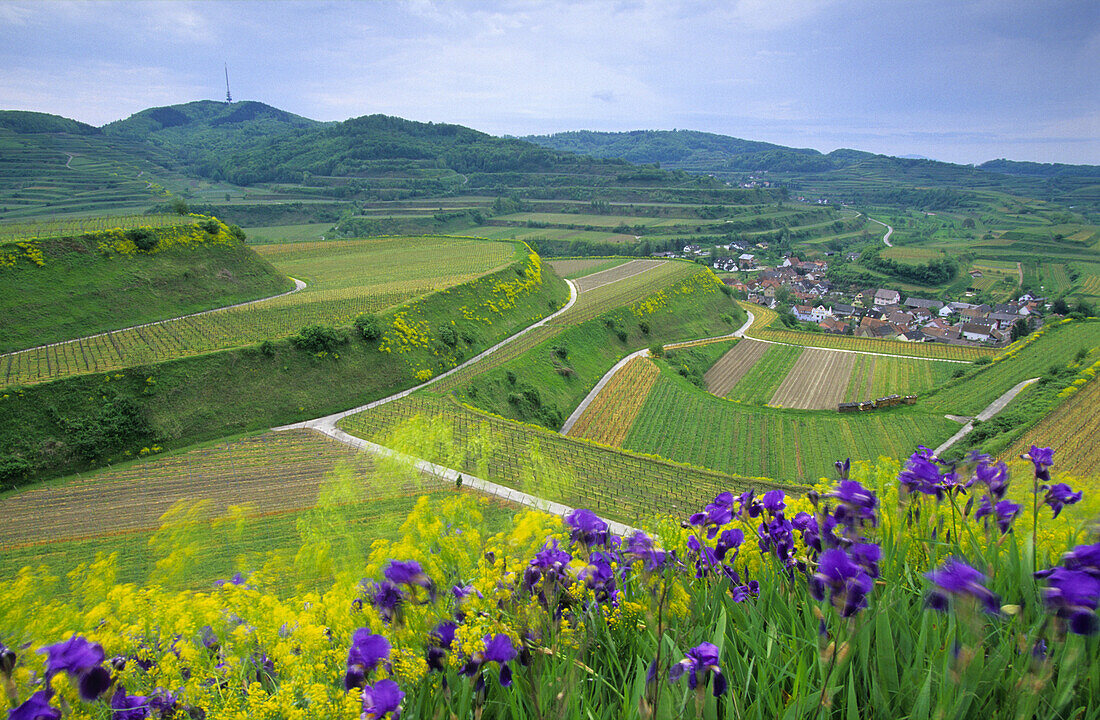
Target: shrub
(561,351)
(644,327)
(657,350)
(267,348)
(448,336)
(211,226)
(319,338)
(621,334)
(144,238)
(983,360)
(368,326)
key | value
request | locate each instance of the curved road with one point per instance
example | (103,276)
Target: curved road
(992,409)
(889,231)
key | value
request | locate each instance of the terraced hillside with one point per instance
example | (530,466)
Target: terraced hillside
(344,279)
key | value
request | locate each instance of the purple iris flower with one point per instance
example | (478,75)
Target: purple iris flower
(599,577)
(748,505)
(867,556)
(698,663)
(237,579)
(587,528)
(1074,595)
(777,536)
(728,540)
(381,698)
(83,661)
(843,468)
(640,546)
(922,474)
(163,703)
(128,707)
(1005,512)
(36,707)
(806,524)
(439,642)
(497,649)
(1085,558)
(705,558)
(774,501)
(856,506)
(366,652)
(716,514)
(409,573)
(386,598)
(741,593)
(994,477)
(956,578)
(461,592)
(1042,459)
(848,583)
(1059,495)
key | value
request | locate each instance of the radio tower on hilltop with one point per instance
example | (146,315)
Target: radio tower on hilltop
(228,97)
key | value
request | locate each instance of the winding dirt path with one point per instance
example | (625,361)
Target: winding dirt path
(992,409)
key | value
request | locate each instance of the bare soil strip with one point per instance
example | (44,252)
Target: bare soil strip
(818,381)
(732,366)
(634,267)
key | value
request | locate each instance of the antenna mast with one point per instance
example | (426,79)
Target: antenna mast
(228,97)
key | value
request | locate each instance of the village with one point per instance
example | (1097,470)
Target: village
(814,302)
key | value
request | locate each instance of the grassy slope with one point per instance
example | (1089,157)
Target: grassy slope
(80,292)
(592,348)
(185,401)
(1055,346)
(683,423)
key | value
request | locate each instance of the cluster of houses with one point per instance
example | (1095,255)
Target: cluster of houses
(879,312)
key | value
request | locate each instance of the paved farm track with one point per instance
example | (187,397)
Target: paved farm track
(732,366)
(818,381)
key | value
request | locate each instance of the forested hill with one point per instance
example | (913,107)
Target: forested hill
(34,123)
(250,142)
(1043,170)
(690,149)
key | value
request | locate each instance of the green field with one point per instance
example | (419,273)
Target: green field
(914,255)
(1058,345)
(549,379)
(344,278)
(246,498)
(876,376)
(760,382)
(615,484)
(308,232)
(683,423)
(65,287)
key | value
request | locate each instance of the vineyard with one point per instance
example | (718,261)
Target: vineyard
(589,304)
(816,382)
(875,376)
(1071,430)
(579,267)
(616,484)
(1054,346)
(346,279)
(71,227)
(615,274)
(680,423)
(930,351)
(609,417)
(267,485)
(724,375)
(759,383)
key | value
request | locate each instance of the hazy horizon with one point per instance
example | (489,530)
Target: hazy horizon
(963,82)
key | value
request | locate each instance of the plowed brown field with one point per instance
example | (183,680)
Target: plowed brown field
(818,381)
(732,366)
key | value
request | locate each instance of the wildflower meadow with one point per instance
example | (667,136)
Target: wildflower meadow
(918,591)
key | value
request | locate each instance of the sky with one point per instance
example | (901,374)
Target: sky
(957,80)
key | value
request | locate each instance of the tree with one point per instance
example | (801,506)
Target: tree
(179,206)
(1019,330)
